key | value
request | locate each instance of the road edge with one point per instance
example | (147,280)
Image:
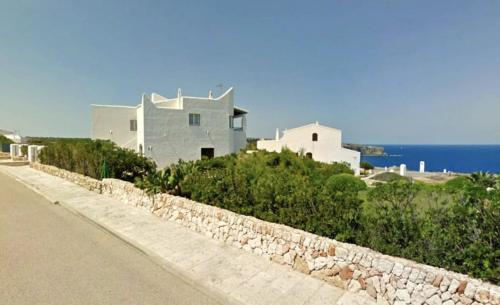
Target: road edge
(155,258)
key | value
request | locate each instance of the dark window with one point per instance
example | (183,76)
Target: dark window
(309,155)
(238,123)
(133,125)
(194,119)
(231,121)
(207,153)
(315,137)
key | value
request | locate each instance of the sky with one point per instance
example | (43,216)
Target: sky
(385,72)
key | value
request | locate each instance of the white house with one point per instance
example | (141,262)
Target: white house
(321,143)
(16,138)
(169,129)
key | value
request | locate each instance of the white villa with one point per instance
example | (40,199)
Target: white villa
(321,143)
(169,129)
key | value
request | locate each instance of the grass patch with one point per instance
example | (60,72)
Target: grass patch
(389,177)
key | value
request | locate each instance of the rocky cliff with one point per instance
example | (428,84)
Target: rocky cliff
(365,149)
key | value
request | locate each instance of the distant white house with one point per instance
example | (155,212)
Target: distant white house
(16,138)
(169,129)
(321,143)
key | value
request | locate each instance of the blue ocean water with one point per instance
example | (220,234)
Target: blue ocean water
(456,158)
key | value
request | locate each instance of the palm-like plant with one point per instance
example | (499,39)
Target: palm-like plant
(483,179)
(165,181)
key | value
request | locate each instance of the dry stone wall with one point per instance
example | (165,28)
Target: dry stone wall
(388,280)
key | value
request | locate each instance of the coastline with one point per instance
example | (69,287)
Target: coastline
(427,177)
(456,158)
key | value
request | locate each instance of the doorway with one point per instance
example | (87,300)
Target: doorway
(207,153)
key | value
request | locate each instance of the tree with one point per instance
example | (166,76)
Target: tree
(365,165)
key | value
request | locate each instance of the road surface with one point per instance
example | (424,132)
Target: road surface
(50,256)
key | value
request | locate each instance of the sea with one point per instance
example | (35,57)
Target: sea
(454,158)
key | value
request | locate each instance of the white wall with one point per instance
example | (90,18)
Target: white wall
(327,149)
(168,136)
(113,123)
(240,140)
(15,138)
(163,128)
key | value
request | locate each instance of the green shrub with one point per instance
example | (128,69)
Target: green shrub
(168,180)
(483,179)
(365,165)
(87,157)
(463,236)
(345,183)
(457,183)
(279,187)
(393,226)
(340,207)
(389,177)
(24,150)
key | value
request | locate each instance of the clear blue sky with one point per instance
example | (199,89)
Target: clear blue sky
(382,71)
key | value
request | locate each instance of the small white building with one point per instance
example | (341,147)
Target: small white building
(170,129)
(14,137)
(321,143)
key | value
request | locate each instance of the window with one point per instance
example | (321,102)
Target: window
(231,121)
(207,153)
(133,125)
(315,137)
(194,119)
(309,155)
(238,123)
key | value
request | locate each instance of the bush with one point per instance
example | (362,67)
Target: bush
(324,199)
(463,236)
(389,177)
(341,206)
(365,165)
(393,226)
(24,150)
(166,181)
(88,157)
(279,187)
(457,184)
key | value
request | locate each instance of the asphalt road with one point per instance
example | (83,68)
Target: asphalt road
(50,256)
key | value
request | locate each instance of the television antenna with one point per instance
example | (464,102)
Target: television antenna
(221,87)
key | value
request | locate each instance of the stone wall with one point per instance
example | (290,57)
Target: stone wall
(389,280)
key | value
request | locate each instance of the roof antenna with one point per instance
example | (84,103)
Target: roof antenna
(221,87)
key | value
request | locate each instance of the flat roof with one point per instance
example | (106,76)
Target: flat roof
(238,111)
